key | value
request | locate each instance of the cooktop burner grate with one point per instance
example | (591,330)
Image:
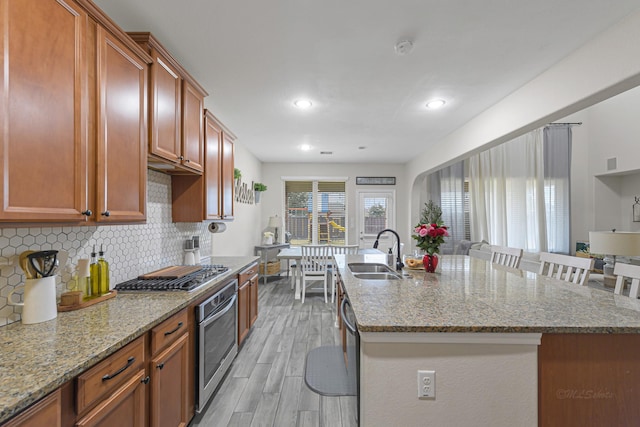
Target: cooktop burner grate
(188,282)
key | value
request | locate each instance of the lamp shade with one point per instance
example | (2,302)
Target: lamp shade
(274,221)
(614,243)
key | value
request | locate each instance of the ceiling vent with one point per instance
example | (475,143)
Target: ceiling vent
(612,164)
(328,153)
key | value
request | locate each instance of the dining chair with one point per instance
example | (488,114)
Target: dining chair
(624,271)
(565,267)
(332,268)
(505,255)
(313,266)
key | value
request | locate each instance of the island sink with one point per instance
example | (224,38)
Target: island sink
(377,276)
(362,267)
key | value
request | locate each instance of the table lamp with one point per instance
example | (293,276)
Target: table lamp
(274,222)
(612,244)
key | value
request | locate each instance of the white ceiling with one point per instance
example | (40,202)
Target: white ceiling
(256,57)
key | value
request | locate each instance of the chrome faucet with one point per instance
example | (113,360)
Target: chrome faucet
(399,263)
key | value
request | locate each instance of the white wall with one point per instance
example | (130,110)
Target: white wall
(244,232)
(602,68)
(273,199)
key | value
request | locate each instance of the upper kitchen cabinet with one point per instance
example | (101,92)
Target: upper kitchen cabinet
(210,196)
(43,108)
(176,109)
(121,149)
(73,109)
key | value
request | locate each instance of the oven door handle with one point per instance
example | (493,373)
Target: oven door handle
(351,328)
(206,322)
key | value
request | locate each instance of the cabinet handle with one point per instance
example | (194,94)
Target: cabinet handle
(105,213)
(180,157)
(145,380)
(87,212)
(160,366)
(187,160)
(119,371)
(173,331)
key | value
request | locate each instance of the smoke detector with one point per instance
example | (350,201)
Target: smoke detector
(404,47)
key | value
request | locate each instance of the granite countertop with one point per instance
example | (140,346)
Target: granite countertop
(36,359)
(472,295)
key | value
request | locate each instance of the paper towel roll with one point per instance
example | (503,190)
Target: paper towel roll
(217,227)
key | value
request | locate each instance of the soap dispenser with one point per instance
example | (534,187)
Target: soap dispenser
(390,258)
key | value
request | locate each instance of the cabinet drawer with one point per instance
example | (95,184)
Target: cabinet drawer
(246,274)
(168,331)
(109,374)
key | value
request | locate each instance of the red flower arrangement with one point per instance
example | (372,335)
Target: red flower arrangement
(431,231)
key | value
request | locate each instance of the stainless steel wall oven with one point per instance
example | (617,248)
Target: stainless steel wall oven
(217,340)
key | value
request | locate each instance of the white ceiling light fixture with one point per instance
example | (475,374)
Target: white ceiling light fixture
(305,147)
(303,104)
(434,104)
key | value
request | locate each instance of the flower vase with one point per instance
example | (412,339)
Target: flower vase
(430,263)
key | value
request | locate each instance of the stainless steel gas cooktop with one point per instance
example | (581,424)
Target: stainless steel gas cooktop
(166,280)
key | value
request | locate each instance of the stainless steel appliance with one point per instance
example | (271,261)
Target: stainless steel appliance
(173,282)
(352,358)
(217,340)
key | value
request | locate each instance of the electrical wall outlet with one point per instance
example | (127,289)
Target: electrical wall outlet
(427,384)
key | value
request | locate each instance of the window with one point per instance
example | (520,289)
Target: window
(315,212)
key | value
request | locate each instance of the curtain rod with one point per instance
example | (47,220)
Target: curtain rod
(570,123)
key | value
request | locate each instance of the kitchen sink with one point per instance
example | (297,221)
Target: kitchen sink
(378,276)
(363,267)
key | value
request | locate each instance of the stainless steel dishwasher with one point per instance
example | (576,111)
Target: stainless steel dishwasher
(352,356)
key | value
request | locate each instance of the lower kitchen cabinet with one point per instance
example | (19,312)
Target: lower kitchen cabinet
(125,407)
(46,412)
(169,392)
(247,300)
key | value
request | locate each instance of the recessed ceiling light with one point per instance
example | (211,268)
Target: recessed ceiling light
(305,147)
(434,104)
(303,104)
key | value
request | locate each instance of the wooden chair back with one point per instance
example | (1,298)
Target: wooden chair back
(344,249)
(314,259)
(624,271)
(565,267)
(505,255)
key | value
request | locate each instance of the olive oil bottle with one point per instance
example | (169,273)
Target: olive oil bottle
(104,273)
(94,269)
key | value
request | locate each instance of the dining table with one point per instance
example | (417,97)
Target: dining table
(294,254)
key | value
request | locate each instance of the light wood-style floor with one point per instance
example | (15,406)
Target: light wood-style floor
(265,386)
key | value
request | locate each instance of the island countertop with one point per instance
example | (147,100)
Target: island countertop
(36,359)
(473,295)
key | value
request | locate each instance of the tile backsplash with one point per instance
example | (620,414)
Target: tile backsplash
(130,249)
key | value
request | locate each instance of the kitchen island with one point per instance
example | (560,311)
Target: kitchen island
(508,347)
(37,359)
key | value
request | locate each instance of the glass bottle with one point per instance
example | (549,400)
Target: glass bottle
(104,273)
(94,268)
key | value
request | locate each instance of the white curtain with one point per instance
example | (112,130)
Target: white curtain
(446,188)
(557,173)
(507,194)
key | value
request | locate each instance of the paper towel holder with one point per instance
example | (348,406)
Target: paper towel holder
(217,227)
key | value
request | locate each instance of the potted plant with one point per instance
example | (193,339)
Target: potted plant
(236,173)
(259,187)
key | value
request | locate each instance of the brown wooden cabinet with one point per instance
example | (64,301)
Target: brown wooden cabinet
(247,300)
(176,108)
(66,73)
(46,412)
(121,179)
(210,196)
(170,369)
(43,106)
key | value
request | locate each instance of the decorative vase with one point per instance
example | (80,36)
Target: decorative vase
(430,263)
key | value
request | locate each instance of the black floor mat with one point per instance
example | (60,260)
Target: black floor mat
(326,374)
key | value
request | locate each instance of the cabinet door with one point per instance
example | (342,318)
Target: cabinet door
(122,132)
(243,311)
(213,145)
(226,176)
(192,127)
(166,100)
(43,110)
(170,385)
(125,407)
(47,412)
(253,300)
